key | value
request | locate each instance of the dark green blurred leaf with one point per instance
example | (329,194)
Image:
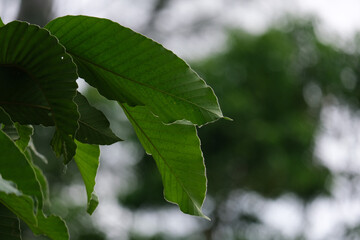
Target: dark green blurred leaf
(13,199)
(52,226)
(9,225)
(14,166)
(4,117)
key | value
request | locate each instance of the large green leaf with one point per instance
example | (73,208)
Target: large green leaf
(87,160)
(177,153)
(9,225)
(94,128)
(14,166)
(128,67)
(38,82)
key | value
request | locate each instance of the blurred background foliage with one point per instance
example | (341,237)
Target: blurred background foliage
(275,86)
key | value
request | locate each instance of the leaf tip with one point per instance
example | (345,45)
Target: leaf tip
(92,204)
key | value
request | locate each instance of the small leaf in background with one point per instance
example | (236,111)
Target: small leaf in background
(9,225)
(1,23)
(15,167)
(94,128)
(87,160)
(130,68)
(39,82)
(177,153)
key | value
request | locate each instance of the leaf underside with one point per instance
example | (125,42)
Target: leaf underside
(176,150)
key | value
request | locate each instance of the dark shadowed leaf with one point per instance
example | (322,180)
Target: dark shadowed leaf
(177,153)
(9,225)
(128,67)
(4,117)
(38,82)
(94,128)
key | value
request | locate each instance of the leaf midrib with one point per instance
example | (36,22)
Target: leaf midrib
(139,83)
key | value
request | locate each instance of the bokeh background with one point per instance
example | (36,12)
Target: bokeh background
(287,167)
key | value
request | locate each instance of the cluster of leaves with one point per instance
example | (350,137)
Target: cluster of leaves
(163,98)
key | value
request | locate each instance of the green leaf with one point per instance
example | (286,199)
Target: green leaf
(23,206)
(130,68)
(44,185)
(11,131)
(14,166)
(38,82)
(94,128)
(52,226)
(177,153)
(25,133)
(13,199)
(9,225)
(1,23)
(87,160)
